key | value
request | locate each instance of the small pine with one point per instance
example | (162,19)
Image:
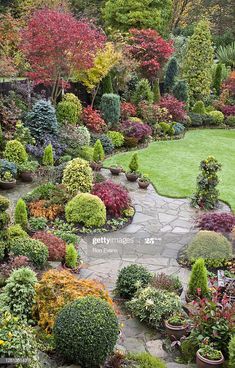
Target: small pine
(48,159)
(171,74)
(21,216)
(71,256)
(134,165)
(198,278)
(98,154)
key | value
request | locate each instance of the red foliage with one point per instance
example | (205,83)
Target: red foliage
(14,263)
(136,130)
(229,83)
(127,109)
(55,245)
(114,196)
(175,107)
(55,42)
(222,222)
(93,121)
(228,110)
(150,50)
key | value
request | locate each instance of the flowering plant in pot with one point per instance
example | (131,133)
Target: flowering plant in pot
(133,174)
(143,181)
(7,181)
(208,357)
(177,326)
(116,169)
(27,169)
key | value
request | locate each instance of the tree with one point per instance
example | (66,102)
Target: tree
(150,50)
(198,62)
(55,44)
(104,61)
(171,74)
(141,14)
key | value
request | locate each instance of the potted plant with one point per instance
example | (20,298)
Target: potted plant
(7,181)
(27,169)
(143,181)
(133,174)
(115,169)
(208,357)
(176,327)
(98,156)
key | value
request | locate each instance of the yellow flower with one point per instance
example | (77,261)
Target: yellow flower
(10,335)
(2,342)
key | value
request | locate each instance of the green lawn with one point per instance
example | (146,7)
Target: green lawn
(174,165)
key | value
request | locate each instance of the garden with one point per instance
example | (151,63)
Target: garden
(117,156)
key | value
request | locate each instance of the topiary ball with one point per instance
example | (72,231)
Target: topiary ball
(77,176)
(86,331)
(130,278)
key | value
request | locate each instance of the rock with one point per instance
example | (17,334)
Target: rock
(155,348)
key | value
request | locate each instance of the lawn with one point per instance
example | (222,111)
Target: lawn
(174,165)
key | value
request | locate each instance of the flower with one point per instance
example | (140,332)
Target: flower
(2,342)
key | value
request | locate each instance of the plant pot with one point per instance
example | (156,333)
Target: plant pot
(96,166)
(115,170)
(176,332)
(143,184)
(7,184)
(206,363)
(26,176)
(132,176)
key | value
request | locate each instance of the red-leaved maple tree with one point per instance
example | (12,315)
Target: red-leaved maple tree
(150,50)
(55,43)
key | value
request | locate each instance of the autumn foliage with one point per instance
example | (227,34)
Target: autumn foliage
(93,120)
(41,209)
(56,246)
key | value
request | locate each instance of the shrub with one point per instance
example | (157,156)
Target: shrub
(42,120)
(198,283)
(70,97)
(153,113)
(230,121)
(15,231)
(86,209)
(48,159)
(75,339)
(127,110)
(217,116)
(4,220)
(110,108)
(153,305)
(134,165)
(214,248)
(98,154)
(156,91)
(77,176)
(105,141)
(178,128)
(92,120)
(136,130)
(37,223)
(21,216)
(18,294)
(130,142)
(23,135)
(142,92)
(176,108)
(221,222)
(43,191)
(86,153)
(145,360)
(196,119)
(117,138)
(4,203)
(44,208)
(56,246)
(114,196)
(167,129)
(231,349)
(199,108)
(69,288)
(15,152)
(71,256)
(228,110)
(171,74)
(166,282)
(180,91)
(66,113)
(35,250)
(130,279)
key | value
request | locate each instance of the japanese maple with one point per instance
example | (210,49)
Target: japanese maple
(55,43)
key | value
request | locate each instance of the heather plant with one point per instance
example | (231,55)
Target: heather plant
(48,159)
(21,215)
(198,283)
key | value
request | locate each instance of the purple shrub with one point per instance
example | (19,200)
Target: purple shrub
(221,222)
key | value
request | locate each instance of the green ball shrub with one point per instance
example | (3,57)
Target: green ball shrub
(217,117)
(70,97)
(199,108)
(110,108)
(117,138)
(98,154)
(142,92)
(231,350)
(18,294)
(86,331)
(67,113)
(15,152)
(77,176)
(230,121)
(213,247)
(48,158)
(4,203)
(86,209)
(130,279)
(71,256)
(198,279)
(35,250)
(21,215)
(15,231)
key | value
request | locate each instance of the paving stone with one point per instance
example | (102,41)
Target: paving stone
(134,345)
(177,365)
(154,347)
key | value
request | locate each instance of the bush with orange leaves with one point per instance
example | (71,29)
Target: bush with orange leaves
(58,288)
(42,209)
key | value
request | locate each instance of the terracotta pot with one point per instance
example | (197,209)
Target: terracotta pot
(206,363)
(96,166)
(7,184)
(26,176)
(143,184)
(176,332)
(115,170)
(132,176)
